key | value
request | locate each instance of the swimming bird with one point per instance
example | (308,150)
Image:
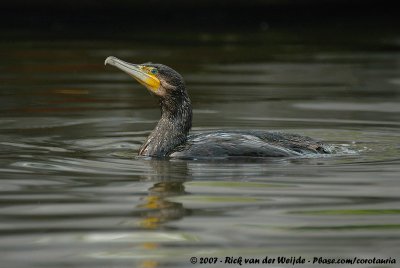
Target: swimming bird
(171,138)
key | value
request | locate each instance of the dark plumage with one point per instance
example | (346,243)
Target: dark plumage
(229,144)
(171,138)
(176,116)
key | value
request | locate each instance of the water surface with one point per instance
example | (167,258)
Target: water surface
(74,194)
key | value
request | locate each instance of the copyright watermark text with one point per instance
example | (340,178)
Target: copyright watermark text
(294,260)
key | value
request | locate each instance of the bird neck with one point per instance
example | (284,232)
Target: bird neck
(173,127)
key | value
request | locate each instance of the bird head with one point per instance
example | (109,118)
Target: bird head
(159,79)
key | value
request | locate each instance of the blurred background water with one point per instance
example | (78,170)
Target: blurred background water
(74,194)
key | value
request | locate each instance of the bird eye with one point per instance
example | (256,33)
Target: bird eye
(154,71)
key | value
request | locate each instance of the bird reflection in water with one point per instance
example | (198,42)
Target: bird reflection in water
(157,209)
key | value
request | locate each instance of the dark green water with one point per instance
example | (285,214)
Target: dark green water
(73,193)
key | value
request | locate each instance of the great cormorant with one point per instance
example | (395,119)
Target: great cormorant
(171,138)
